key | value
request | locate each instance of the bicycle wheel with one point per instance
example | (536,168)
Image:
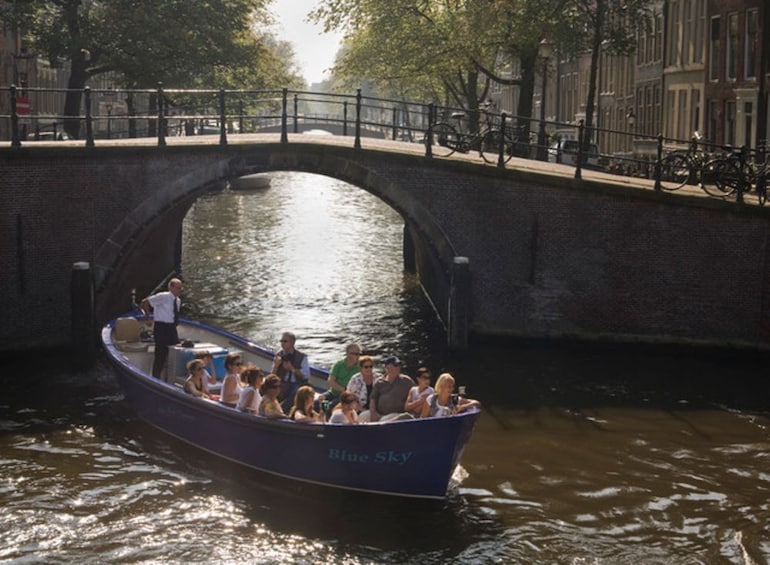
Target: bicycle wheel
(674,171)
(445,140)
(490,146)
(720,178)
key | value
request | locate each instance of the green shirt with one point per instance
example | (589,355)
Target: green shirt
(342,374)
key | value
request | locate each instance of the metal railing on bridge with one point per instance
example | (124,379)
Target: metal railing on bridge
(497,137)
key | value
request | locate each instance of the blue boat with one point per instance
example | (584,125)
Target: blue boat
(410,458)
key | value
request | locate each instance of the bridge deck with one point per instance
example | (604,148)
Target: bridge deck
(404,147)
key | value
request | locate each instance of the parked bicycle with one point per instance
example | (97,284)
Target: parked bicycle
(447,138)
(736,173)
(679,168)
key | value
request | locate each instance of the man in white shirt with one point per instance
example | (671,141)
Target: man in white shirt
(165,307)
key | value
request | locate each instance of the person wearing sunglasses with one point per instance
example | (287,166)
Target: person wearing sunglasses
(231,384)
(419,394)
(341,373)
(195,376)
(361,386)
(293,368)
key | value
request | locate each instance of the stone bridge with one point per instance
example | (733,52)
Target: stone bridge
(525,251)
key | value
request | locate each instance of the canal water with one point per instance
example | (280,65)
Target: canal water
(583,455)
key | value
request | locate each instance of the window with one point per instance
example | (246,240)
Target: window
(748,119)
(752,43)
(732,46)
(674,48)
(695,112)
(714,49)
(700,24)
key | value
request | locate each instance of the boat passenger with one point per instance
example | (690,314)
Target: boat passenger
(345,411)
(292,367)
(419,394)
(270,407)
(302,410)
(389,393)
(194,382)
(250,397)
(209,376)
(341,373)
(361,385)
(444,402)
(231,384)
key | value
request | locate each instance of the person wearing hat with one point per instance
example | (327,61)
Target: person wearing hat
(389,393)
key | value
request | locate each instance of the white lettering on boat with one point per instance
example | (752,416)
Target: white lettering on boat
(381,457)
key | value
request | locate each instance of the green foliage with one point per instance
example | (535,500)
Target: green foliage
(417,48)
(183,43)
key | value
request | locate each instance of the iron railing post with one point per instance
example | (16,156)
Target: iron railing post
(345,118)
(658,158)
(501,149)
(161,129)
(429,133)
(222,118)
(284,116)
(89,117)
(296,114)
(742,158)
(395,126)
(579,156)
(357,142)
(15,139)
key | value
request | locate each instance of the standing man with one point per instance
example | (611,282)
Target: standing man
(293,367)
(389,393)
(341,373)
(165,307)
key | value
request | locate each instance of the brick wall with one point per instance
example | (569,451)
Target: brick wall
(548,256)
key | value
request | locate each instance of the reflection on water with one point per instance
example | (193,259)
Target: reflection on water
(582,455)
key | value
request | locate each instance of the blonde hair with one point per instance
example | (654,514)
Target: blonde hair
(444,379)
(194,364)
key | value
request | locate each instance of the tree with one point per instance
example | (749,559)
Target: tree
(211,43)
(609,25)
(417,48)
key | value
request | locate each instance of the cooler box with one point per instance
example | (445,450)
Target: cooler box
(179,357)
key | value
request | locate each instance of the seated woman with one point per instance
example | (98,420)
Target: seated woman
(270,407)
(345,410)
(194,383)
(444,403)
(418,395)
(302,410)
(231,384)
(250,397)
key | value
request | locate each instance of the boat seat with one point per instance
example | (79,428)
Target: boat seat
(128,329)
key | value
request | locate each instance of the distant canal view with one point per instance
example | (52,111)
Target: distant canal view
(582,454)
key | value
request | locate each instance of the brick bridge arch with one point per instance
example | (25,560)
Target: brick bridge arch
(155,222)
(547,256)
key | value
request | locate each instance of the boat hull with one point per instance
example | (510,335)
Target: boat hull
(413,458)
